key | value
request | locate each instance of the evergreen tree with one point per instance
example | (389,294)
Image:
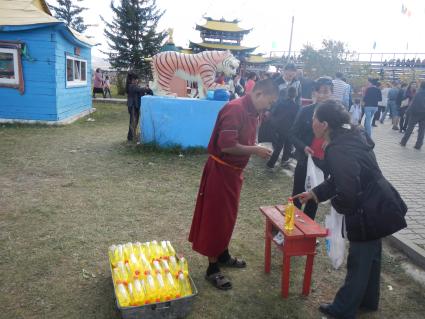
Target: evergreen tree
(70,14)
(132,35)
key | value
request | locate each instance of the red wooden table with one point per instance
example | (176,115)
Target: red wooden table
(301,241)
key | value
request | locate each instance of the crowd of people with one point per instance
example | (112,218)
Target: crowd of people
(371,105)
(328,130)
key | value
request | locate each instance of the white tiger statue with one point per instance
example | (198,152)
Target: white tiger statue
(201,68)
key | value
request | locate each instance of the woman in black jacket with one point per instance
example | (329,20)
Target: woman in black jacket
(351,162)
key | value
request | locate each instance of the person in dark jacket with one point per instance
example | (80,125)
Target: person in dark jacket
(134,93)
(416,113)
(305,143)
(371,98)
(351,162)
(281,121)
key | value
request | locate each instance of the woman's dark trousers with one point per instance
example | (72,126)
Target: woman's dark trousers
(361,286)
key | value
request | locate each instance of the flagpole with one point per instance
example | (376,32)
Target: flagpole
(290,39)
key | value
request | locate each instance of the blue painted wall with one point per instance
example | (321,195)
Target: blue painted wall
(178,121)
(39,99)
(46,97)
(71,100)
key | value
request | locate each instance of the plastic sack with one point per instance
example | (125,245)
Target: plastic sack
(314,175)
(335,244)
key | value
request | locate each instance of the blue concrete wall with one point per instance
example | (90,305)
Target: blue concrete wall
(39,99)
(178,121)
(71,100)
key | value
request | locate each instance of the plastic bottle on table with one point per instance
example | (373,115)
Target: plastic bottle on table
(289,215)
(122,296)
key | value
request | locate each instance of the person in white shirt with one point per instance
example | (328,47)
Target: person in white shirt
(356,112)
(341,91)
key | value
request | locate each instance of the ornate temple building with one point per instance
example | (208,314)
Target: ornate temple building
(228,35)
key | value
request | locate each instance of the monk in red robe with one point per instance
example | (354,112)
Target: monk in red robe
(231,145)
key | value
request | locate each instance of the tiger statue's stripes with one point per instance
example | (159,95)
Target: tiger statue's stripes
(200,68)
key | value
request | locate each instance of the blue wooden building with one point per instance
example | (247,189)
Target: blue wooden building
(45,67)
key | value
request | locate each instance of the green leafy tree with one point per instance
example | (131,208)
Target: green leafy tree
(325,61)
(132,35)
(70,13)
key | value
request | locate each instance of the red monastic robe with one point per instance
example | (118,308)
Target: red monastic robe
(218,197)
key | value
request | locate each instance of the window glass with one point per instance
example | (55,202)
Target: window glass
(7,69)
(69,70)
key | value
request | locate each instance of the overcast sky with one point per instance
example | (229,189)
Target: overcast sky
(358,23)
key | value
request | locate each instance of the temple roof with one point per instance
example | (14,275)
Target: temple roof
(222,25)
(259,59)
(221,46)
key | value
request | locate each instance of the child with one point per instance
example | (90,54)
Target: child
(356,112)
(107,87)
(231,145)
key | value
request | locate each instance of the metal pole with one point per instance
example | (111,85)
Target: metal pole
(290,39)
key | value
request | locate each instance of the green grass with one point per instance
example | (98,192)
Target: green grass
(69,192)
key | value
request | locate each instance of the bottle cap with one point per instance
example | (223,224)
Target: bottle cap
(290,199)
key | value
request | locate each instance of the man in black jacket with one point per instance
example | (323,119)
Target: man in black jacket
(134,93)
(416,113)
(305,143)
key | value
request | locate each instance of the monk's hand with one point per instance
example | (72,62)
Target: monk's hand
(263,152)
(304,197)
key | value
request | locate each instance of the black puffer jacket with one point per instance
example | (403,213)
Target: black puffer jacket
(352,165)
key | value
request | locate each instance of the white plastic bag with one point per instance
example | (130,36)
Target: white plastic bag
(314,175)
(335,244)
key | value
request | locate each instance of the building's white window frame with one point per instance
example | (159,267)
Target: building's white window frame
(77,81)
(15,81)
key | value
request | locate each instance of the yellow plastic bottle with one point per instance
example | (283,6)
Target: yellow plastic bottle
(157,267)
(170,283)
(122,296)
(128,250)
(289,215)
(120,274)
(170,248)
(135,267)
(164,250)
(174,267)
(152,294)
(184,285)
(145,264)
(183,266)
(137,293)
(116,254)
(161,289)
